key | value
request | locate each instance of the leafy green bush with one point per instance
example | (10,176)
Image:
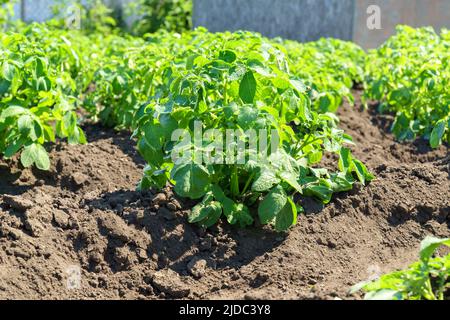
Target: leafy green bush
(94,16)
(36,101)
(331,67)
(240,81)
(410,76)
(169,15)
(427,279)
(6,13)
(119,81)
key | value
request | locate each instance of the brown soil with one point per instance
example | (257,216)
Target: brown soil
(85,213)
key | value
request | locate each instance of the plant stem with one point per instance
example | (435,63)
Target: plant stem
(306,143)
(225,98)
(247,184)
(430,290)
(235,182)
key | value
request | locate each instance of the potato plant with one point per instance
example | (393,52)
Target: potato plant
(117,81)
(331,67)
(36,101)
(240,82)
(410,75)
(427,279)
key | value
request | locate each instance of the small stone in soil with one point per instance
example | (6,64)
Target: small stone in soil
(35,227)
(169,282)
(20,253)
(15,234)
(160,197)
(79,178)
(197,267)
(141,253)
(61,219)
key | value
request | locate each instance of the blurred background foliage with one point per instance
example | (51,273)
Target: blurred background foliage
(138,17)
(93,15)
(6,12)
(153,15)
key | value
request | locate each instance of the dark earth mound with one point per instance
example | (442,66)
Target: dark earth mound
(85,216)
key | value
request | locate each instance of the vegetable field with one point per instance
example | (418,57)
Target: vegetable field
(223,165)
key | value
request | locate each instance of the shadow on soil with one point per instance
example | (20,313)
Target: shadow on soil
(176,242)
(16,180)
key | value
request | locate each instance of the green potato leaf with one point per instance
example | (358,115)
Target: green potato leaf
(437,133)
(272,204)
(247,88)
(35,154)
(191,180)
(287,217)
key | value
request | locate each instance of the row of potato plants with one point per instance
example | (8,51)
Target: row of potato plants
(38,93)
(237,81)
(410,76)
(167,82)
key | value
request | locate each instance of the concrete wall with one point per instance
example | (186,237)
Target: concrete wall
(303,20)
(37,10)
(306,20)
(41,10)
(415,13)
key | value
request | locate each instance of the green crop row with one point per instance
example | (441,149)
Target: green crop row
(203,85)
(223,81)
(410,76)
(38,94)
